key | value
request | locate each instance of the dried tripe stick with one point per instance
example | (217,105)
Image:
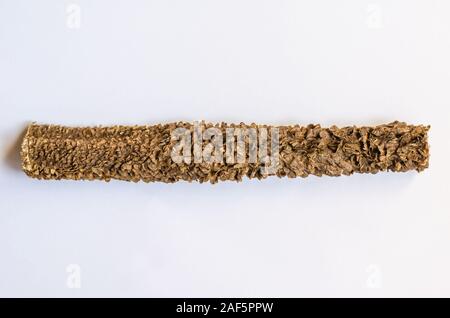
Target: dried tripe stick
(135,153)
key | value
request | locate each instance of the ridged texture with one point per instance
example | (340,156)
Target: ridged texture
(143,153)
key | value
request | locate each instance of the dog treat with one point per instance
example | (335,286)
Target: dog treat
(219,152)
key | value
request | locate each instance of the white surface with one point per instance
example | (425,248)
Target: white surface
(281,62)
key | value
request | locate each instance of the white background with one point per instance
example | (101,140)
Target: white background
(276,62)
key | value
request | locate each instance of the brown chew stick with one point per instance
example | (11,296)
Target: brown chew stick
(144,153)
